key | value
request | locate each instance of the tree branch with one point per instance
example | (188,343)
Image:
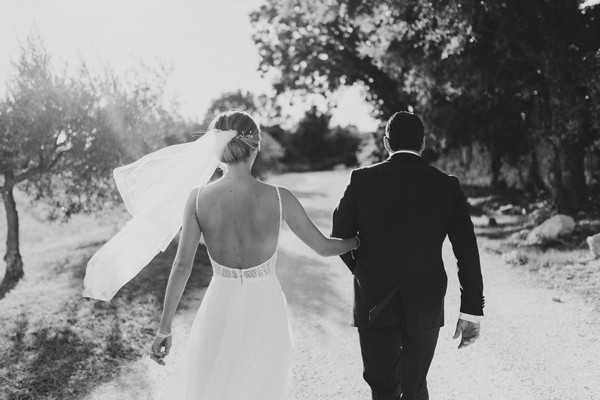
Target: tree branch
(38,169)
(56,159)
(28,173)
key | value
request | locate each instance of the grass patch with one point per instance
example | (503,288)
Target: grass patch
(54,344)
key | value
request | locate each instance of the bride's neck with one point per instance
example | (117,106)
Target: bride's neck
(238,171)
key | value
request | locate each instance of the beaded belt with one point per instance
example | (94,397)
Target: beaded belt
(254,272)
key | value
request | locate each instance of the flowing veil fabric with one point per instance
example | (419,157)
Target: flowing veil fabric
(154,189)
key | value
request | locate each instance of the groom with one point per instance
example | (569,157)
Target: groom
(402,209)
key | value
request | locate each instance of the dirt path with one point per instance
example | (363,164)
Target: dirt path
(532,347)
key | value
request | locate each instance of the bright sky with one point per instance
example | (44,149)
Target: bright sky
(207,43)
(589,3)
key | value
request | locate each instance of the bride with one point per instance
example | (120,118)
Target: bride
(240,343)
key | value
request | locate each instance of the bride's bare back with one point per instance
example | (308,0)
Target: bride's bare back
(239,220)
(239,217)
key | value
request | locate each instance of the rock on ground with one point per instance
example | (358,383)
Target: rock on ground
(594,244)
(539,215)
(551,229)
(519,237)
(515,257)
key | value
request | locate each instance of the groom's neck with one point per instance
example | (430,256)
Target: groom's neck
(410,151)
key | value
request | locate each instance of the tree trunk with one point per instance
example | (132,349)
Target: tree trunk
(573,176)
(534,182)
(568,179)
(12,257)
(495,168)
(558,191)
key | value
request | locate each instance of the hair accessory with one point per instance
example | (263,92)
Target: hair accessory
(249,141)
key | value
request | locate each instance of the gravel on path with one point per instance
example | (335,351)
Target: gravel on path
(532,347)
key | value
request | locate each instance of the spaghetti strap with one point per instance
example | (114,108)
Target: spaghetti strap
(280,206)
(280,219)
(196,206)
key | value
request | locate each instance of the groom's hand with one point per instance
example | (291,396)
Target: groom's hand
(467,331)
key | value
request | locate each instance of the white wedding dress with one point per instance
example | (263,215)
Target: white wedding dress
(240,344)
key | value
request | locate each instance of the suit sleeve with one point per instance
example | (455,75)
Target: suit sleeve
(464,245)
(345,220)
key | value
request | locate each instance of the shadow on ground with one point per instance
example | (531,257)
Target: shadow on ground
(64,352)
(309,285)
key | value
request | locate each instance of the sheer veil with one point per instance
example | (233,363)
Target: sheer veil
(154,190)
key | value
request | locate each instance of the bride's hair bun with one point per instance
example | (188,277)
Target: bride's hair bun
(246,141)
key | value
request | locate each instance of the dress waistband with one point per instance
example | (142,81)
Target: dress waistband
(254,272)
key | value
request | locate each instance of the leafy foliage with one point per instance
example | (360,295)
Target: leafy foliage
(51,122)
(62,133)
(507,74)
(314,145)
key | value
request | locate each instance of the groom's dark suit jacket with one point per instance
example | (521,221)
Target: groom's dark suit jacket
(402,209)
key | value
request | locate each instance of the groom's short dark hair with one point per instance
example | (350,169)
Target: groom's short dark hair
(405,131)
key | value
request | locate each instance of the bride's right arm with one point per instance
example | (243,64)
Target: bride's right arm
(297,219)
(182,265)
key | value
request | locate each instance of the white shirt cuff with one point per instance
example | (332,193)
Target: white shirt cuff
(470,318)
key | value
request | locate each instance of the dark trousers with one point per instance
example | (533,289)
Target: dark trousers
(396,362)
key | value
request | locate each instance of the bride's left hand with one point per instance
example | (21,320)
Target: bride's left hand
(160,348)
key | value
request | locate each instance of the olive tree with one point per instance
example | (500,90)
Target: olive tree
(62,131)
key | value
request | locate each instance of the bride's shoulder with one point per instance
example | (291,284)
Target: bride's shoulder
(283,191)
(202,193)
(267,187)
(288,198)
